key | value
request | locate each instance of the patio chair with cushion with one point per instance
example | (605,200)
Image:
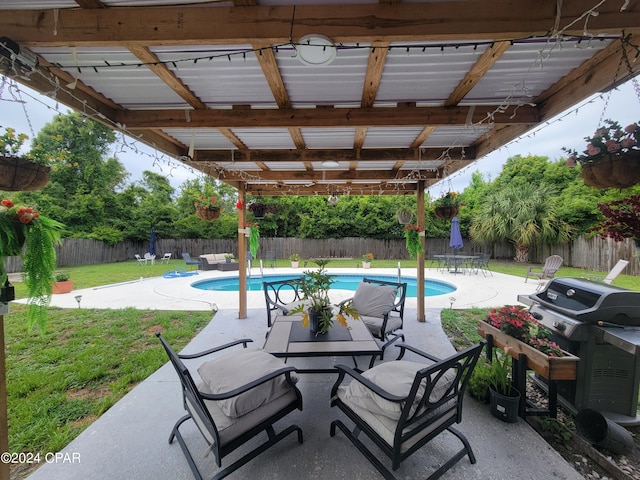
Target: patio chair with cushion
(551,266)
(242,394)
(402,405)
(380,305)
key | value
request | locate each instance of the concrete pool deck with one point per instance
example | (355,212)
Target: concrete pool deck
(129,441)
(159,293)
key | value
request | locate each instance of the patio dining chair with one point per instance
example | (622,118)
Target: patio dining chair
(190,261)
(165,258)
(380,305)
(141,261)
(242,395)
(402,405)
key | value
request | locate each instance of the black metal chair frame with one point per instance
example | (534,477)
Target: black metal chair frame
(398,308)
(194,404)
(417,414)
(279,294)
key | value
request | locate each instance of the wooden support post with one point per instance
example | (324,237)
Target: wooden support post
(420,258)
(4,415)
(242,255)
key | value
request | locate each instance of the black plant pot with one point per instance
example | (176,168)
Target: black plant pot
(7,293)
(505,407)
(315,320)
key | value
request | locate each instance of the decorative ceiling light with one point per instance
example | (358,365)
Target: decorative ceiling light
(316,50)
(330,164)
(333,199)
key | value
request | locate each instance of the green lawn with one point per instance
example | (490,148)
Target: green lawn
(61,380)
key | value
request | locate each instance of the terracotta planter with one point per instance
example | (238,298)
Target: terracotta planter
(616,170)
(551,368)
(21,174)
(208,213)
(447,212)
(62,287)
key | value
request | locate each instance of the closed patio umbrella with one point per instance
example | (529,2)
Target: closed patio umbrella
(455,239)
(152,241)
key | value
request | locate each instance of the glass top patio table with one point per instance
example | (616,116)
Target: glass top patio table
(287,338)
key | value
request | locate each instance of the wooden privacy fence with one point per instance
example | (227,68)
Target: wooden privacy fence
(590,253)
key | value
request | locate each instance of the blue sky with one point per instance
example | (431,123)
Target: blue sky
(30,111)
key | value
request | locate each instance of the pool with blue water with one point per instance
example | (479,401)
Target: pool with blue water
(341,281)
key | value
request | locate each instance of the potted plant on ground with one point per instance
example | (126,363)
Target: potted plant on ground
(294,258)
(17,172)
(612,156)
(447,206)
(367,258)
(504,399)
(317,311)
(207,207)
(24,232)
(62,283)
(413,242)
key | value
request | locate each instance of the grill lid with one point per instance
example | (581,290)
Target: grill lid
(591,302)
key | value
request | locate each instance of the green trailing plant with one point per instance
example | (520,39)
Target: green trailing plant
(412,240)
(254,238)
(22,226)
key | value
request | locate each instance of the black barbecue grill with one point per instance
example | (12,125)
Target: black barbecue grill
(600,324)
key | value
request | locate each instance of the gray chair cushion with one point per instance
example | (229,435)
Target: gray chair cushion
(239,368)
(396,378)
(374,300)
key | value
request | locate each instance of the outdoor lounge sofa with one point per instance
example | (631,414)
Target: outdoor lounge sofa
(214,261)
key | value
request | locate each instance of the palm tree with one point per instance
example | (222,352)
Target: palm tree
(524,215)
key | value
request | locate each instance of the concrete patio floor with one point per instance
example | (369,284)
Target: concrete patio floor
(130,440)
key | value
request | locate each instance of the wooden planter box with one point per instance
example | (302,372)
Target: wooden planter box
(551,368)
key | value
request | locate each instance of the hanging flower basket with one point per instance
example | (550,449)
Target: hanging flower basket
(208,213)
(404,217)
(19,174)
(447,212)
(614,170)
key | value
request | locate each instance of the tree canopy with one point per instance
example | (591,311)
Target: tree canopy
(532,200)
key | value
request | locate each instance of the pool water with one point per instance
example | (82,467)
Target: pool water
(340,282)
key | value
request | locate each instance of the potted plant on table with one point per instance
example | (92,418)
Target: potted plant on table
(317,310)
(294,258)
(367,258)
(228,257)
(24,232)
(17,172)
(611,158)
(62,283)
